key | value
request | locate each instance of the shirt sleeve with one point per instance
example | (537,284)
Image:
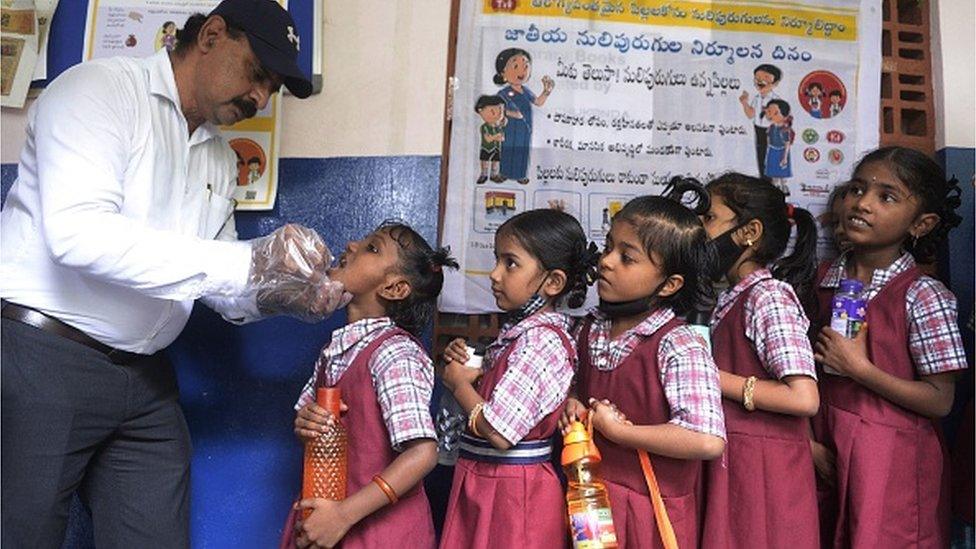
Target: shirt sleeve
(777,328)
(403,377)
(83,145)
(690,380)
(534,385)
(236,310)
(933,333)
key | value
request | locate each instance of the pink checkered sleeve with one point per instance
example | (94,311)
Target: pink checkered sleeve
(690,380)
(777,327)
(403,377)
(536,382)
(308,391)
(933,333)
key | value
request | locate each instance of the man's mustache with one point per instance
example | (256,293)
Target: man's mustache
(247,108)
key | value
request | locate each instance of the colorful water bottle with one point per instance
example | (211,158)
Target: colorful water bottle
(324,472)
(590,518)
(847,311)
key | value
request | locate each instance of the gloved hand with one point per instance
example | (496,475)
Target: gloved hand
(288,274)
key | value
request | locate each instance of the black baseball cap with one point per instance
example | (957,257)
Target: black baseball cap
(273,37)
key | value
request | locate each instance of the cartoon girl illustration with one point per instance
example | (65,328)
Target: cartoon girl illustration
(779,138)
(815,93)
(513,67)
(166,37)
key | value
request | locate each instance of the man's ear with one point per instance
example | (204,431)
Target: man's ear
(672,285)
(555,283)
(396,289)
(212,28)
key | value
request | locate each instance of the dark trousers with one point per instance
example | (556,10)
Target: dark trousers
(70,420)
(761,142)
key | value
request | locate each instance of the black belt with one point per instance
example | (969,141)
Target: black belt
(41,321)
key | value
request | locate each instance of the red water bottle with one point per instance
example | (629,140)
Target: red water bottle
(324,472)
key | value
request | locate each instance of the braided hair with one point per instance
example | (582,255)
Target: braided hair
(423,266)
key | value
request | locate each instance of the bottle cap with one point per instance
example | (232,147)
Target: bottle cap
(578,444)
(329,398)
(851,285)
(474,360)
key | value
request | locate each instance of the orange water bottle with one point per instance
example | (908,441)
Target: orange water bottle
(324,472)
(590,519)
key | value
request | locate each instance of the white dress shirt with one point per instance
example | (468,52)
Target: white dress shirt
(110,225)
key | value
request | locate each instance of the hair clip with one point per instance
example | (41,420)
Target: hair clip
(790,210)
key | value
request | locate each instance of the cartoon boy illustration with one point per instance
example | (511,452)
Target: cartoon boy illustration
(765,77)
(253,170)
(835,99)
(491,109)
(779,138)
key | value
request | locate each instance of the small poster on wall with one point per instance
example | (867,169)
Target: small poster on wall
(581,106)
(139,28)
(19,39)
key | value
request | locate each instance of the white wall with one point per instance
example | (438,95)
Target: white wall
(954,72)
(384,68)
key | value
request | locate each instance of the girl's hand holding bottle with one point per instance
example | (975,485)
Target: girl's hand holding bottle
(313,420)
(573,411)
(606,418)
(849,356)
(325,527)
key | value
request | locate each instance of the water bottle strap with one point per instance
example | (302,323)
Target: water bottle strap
(664,527)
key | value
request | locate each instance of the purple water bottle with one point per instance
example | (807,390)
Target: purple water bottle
(848,310)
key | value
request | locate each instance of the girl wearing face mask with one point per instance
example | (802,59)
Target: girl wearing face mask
(762,493)
(505,491)
(648,377)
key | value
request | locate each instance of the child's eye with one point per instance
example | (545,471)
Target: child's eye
(626,258)
(888,197)
(372,248)
(856,191)
(510,264)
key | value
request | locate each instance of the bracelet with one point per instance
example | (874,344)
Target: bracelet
(387,489)
(473,419)
(747,393)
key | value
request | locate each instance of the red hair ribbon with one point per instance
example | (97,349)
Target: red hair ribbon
(789,210)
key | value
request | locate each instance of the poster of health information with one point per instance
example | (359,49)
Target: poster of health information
(139,28)
(583,105)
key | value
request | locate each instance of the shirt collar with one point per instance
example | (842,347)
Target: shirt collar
(729,296)
(838,271)
(348,336)
(162,82)
(654,322)
(513,331)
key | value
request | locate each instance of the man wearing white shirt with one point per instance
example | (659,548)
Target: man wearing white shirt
(122,216)
(765,77)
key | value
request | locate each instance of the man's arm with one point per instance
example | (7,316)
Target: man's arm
(82,135)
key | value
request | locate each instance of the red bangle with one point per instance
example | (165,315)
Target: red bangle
(387,489)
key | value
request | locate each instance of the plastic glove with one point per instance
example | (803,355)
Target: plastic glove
(288,275)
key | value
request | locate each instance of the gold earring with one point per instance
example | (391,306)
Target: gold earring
(748,243)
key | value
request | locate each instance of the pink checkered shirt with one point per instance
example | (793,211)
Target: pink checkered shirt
(933,334)
(776,326)
(402,373)
(537,380)
(688,373)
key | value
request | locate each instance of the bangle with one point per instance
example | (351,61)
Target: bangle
(473,419)
(747,393)
(387,489)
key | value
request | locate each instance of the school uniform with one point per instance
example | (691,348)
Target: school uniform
(891,486)
(658,372)
(514,498)
(386,379)
(762,493)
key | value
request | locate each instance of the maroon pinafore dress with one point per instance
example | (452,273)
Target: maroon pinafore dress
(892,483)
(635,388)
(762,492)
(407,523)
(499,504)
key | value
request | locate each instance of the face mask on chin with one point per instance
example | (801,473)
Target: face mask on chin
(621,309)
